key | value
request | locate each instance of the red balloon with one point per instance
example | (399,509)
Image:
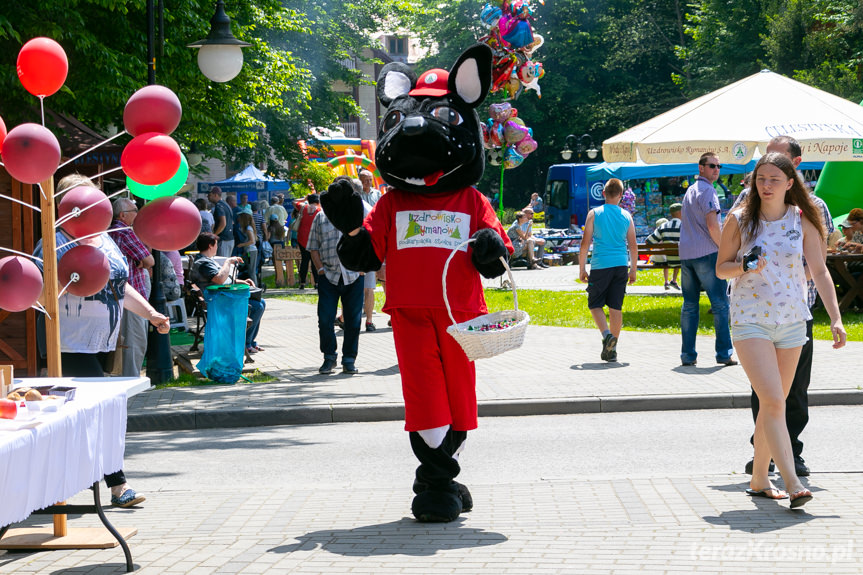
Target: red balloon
(2,133)
(31,153)
(42,66)
(20,283)
(87,267)
(151,158)
(152,109)
(169,223)
(95,219)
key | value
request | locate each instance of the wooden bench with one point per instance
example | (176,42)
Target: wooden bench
(660,249)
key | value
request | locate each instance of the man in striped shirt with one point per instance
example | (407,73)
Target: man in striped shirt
(669,232)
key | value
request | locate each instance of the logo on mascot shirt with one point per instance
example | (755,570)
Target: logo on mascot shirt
(432,229)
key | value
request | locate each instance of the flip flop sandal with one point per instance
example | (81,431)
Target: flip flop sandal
(767,493)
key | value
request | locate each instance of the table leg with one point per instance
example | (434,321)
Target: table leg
(120,539)
(854,286)
(60,523)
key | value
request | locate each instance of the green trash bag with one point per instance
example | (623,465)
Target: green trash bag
(225,337)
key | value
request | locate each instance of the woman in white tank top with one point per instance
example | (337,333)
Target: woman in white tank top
(769,308)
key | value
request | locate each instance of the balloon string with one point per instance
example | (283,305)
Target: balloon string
(41,191)
(62,291)
(32,257)
(107,172)
(42,106)
(94,234)
(38,306)
(31,206)
(102,143)
(74,214)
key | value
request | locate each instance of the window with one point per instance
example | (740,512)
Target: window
(557,192)
(396,45)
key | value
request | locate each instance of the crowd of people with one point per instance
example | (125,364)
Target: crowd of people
(771,248)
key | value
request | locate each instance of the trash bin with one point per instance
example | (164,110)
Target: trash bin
(225,336)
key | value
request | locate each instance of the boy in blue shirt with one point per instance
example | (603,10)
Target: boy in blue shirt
(612,233)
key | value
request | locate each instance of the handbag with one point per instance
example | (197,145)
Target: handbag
(266,249)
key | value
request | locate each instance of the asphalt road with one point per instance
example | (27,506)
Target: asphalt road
(503,450)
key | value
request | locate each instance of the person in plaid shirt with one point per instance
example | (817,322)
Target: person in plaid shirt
(140,260)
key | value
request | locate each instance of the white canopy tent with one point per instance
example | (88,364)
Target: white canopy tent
(736,123)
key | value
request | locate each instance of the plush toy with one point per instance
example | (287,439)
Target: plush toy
(430,151)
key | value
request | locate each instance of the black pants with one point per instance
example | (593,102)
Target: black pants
(89,365)
(797,402)
(304,266)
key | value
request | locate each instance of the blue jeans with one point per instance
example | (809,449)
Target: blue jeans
(352,311)
(696,275)
(256,312)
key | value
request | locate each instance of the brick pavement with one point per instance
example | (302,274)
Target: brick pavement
(557,370)
(697,524)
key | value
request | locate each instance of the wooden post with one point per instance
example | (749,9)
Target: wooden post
(51,287)
(51,291)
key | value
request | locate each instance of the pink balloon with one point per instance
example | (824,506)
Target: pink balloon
(2,133)
(31,153)
(88,267)
(95,219)
(42,66)
(169,223)
(20,283)
(152,109)
(151,158)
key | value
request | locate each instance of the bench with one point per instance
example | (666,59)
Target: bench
(660,249)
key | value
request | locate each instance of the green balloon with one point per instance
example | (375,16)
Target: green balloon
(169,188)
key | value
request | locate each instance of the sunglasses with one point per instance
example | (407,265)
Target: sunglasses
(712,166)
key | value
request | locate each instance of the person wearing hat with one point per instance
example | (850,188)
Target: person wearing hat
(668,232)
(852,228)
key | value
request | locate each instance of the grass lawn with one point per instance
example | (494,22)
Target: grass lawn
(640,313)
(189,380)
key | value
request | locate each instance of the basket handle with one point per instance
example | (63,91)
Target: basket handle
(446,267)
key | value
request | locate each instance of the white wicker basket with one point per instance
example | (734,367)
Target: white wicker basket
(481,344)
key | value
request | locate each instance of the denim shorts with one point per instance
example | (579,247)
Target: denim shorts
(370,280)
(783,336)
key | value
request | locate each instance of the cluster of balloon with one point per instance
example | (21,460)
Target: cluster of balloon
(513,42)
(156,170)
(31,153)
(506,137)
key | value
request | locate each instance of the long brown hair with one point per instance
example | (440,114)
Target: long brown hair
(797,195)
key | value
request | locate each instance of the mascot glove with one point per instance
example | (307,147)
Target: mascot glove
(488,247)
(343,206)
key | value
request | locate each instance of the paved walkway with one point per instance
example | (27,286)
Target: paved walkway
(694,524)
(557,370)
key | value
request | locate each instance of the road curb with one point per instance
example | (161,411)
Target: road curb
(353,413)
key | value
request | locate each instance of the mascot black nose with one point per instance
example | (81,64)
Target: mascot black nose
(414,126)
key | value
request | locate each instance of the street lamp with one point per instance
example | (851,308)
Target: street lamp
(220,44)
(194,157)
(220,57)
(580,147)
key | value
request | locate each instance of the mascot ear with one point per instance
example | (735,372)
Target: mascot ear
(396,79)
(470,77)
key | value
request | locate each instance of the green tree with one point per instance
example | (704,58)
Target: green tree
(285,85)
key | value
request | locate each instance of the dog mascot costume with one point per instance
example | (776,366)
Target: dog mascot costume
(430,152)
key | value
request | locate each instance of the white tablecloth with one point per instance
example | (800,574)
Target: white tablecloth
(72,449)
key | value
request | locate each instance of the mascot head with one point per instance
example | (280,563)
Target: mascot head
(430,140)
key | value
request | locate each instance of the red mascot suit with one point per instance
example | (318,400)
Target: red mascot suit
(430,152)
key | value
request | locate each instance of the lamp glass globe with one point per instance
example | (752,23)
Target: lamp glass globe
(220,62)
(566,154)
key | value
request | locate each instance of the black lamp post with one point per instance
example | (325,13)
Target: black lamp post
(580,147)
(160,367)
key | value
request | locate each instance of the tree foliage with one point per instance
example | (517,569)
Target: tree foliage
(285,86)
